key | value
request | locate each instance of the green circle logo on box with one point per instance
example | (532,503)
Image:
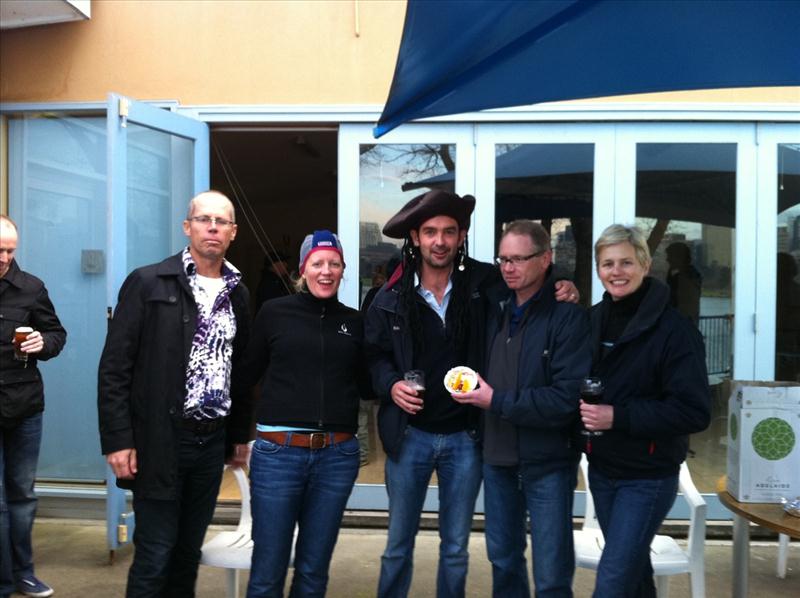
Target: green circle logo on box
(773,439)
(734,422)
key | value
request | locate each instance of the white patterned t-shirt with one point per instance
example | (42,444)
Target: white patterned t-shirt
(208,372)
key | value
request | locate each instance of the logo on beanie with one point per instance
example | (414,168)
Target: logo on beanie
(324,244)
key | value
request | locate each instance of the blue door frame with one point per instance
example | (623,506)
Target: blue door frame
(121,112)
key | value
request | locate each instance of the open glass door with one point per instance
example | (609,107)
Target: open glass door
(157,161)
(94,195)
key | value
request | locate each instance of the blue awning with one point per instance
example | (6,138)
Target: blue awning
(460,56)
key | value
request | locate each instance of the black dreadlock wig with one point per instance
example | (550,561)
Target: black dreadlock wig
(458,316)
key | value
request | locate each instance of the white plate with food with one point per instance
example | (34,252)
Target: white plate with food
(460,379)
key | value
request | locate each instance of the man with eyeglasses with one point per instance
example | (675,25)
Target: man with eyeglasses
(538,352)
(430,316)
(172,407)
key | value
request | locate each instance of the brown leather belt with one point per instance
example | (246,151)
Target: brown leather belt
(308,440)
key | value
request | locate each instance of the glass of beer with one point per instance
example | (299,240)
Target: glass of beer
(20,334)
(592,393)
(416,380)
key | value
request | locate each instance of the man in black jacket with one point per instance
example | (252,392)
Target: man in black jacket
(429,316)
(24,302)
(170,399)
(538,352)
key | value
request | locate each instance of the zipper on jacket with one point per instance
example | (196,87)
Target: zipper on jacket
(322,367)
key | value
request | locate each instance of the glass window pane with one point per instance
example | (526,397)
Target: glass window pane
(787,324)
(57,185)
(686,206)
(389,176)
(552,184)
(159,169)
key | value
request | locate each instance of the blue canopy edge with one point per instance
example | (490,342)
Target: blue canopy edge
(460,57)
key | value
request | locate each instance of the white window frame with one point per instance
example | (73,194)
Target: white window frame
(768,137)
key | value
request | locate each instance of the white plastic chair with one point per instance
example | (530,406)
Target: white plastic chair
(667,556)
(233,550)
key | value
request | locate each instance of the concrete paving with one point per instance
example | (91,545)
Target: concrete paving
(72,556)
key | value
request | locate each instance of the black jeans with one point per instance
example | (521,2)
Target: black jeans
(169,533)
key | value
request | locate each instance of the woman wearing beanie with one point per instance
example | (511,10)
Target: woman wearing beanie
(651,362)
(305,459)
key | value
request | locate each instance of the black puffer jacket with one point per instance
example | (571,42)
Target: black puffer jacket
(312,352)
(390,351)
(24,302)
(655,377)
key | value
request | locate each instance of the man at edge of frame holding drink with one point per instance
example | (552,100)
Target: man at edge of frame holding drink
(538,353)
(30,331)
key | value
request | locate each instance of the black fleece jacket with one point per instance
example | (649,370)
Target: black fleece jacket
(312,352)
(655,377)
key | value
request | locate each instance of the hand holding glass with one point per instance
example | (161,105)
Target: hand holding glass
(592,393)
(416,380)
(20,336)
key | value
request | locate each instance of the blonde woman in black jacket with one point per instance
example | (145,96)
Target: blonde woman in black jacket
(305,459)
(651,362)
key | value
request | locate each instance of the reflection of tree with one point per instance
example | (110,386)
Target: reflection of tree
(416,160)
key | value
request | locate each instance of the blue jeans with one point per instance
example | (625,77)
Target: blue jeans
(630,513)
(310,488)
(510,493)
(19,455)
(456,458)
(169,533)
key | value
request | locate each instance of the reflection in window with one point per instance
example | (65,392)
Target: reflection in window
(686,206)
(389,176)
(787,319)
(159,166)
(552,184)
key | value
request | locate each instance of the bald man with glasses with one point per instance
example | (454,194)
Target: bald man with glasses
(172,409)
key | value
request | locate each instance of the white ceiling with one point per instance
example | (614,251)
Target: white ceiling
(29,13)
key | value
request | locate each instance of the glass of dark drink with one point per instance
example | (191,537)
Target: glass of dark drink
(20,336)
(592,393)
(416,380)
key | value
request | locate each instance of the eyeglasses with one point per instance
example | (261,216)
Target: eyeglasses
(212,220)
(516,260)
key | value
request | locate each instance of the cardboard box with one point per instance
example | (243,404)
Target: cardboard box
(764,441)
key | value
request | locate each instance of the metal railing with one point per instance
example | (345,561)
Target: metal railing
(717,334)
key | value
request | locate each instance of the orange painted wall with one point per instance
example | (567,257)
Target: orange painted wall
(234,52)
(209,52)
